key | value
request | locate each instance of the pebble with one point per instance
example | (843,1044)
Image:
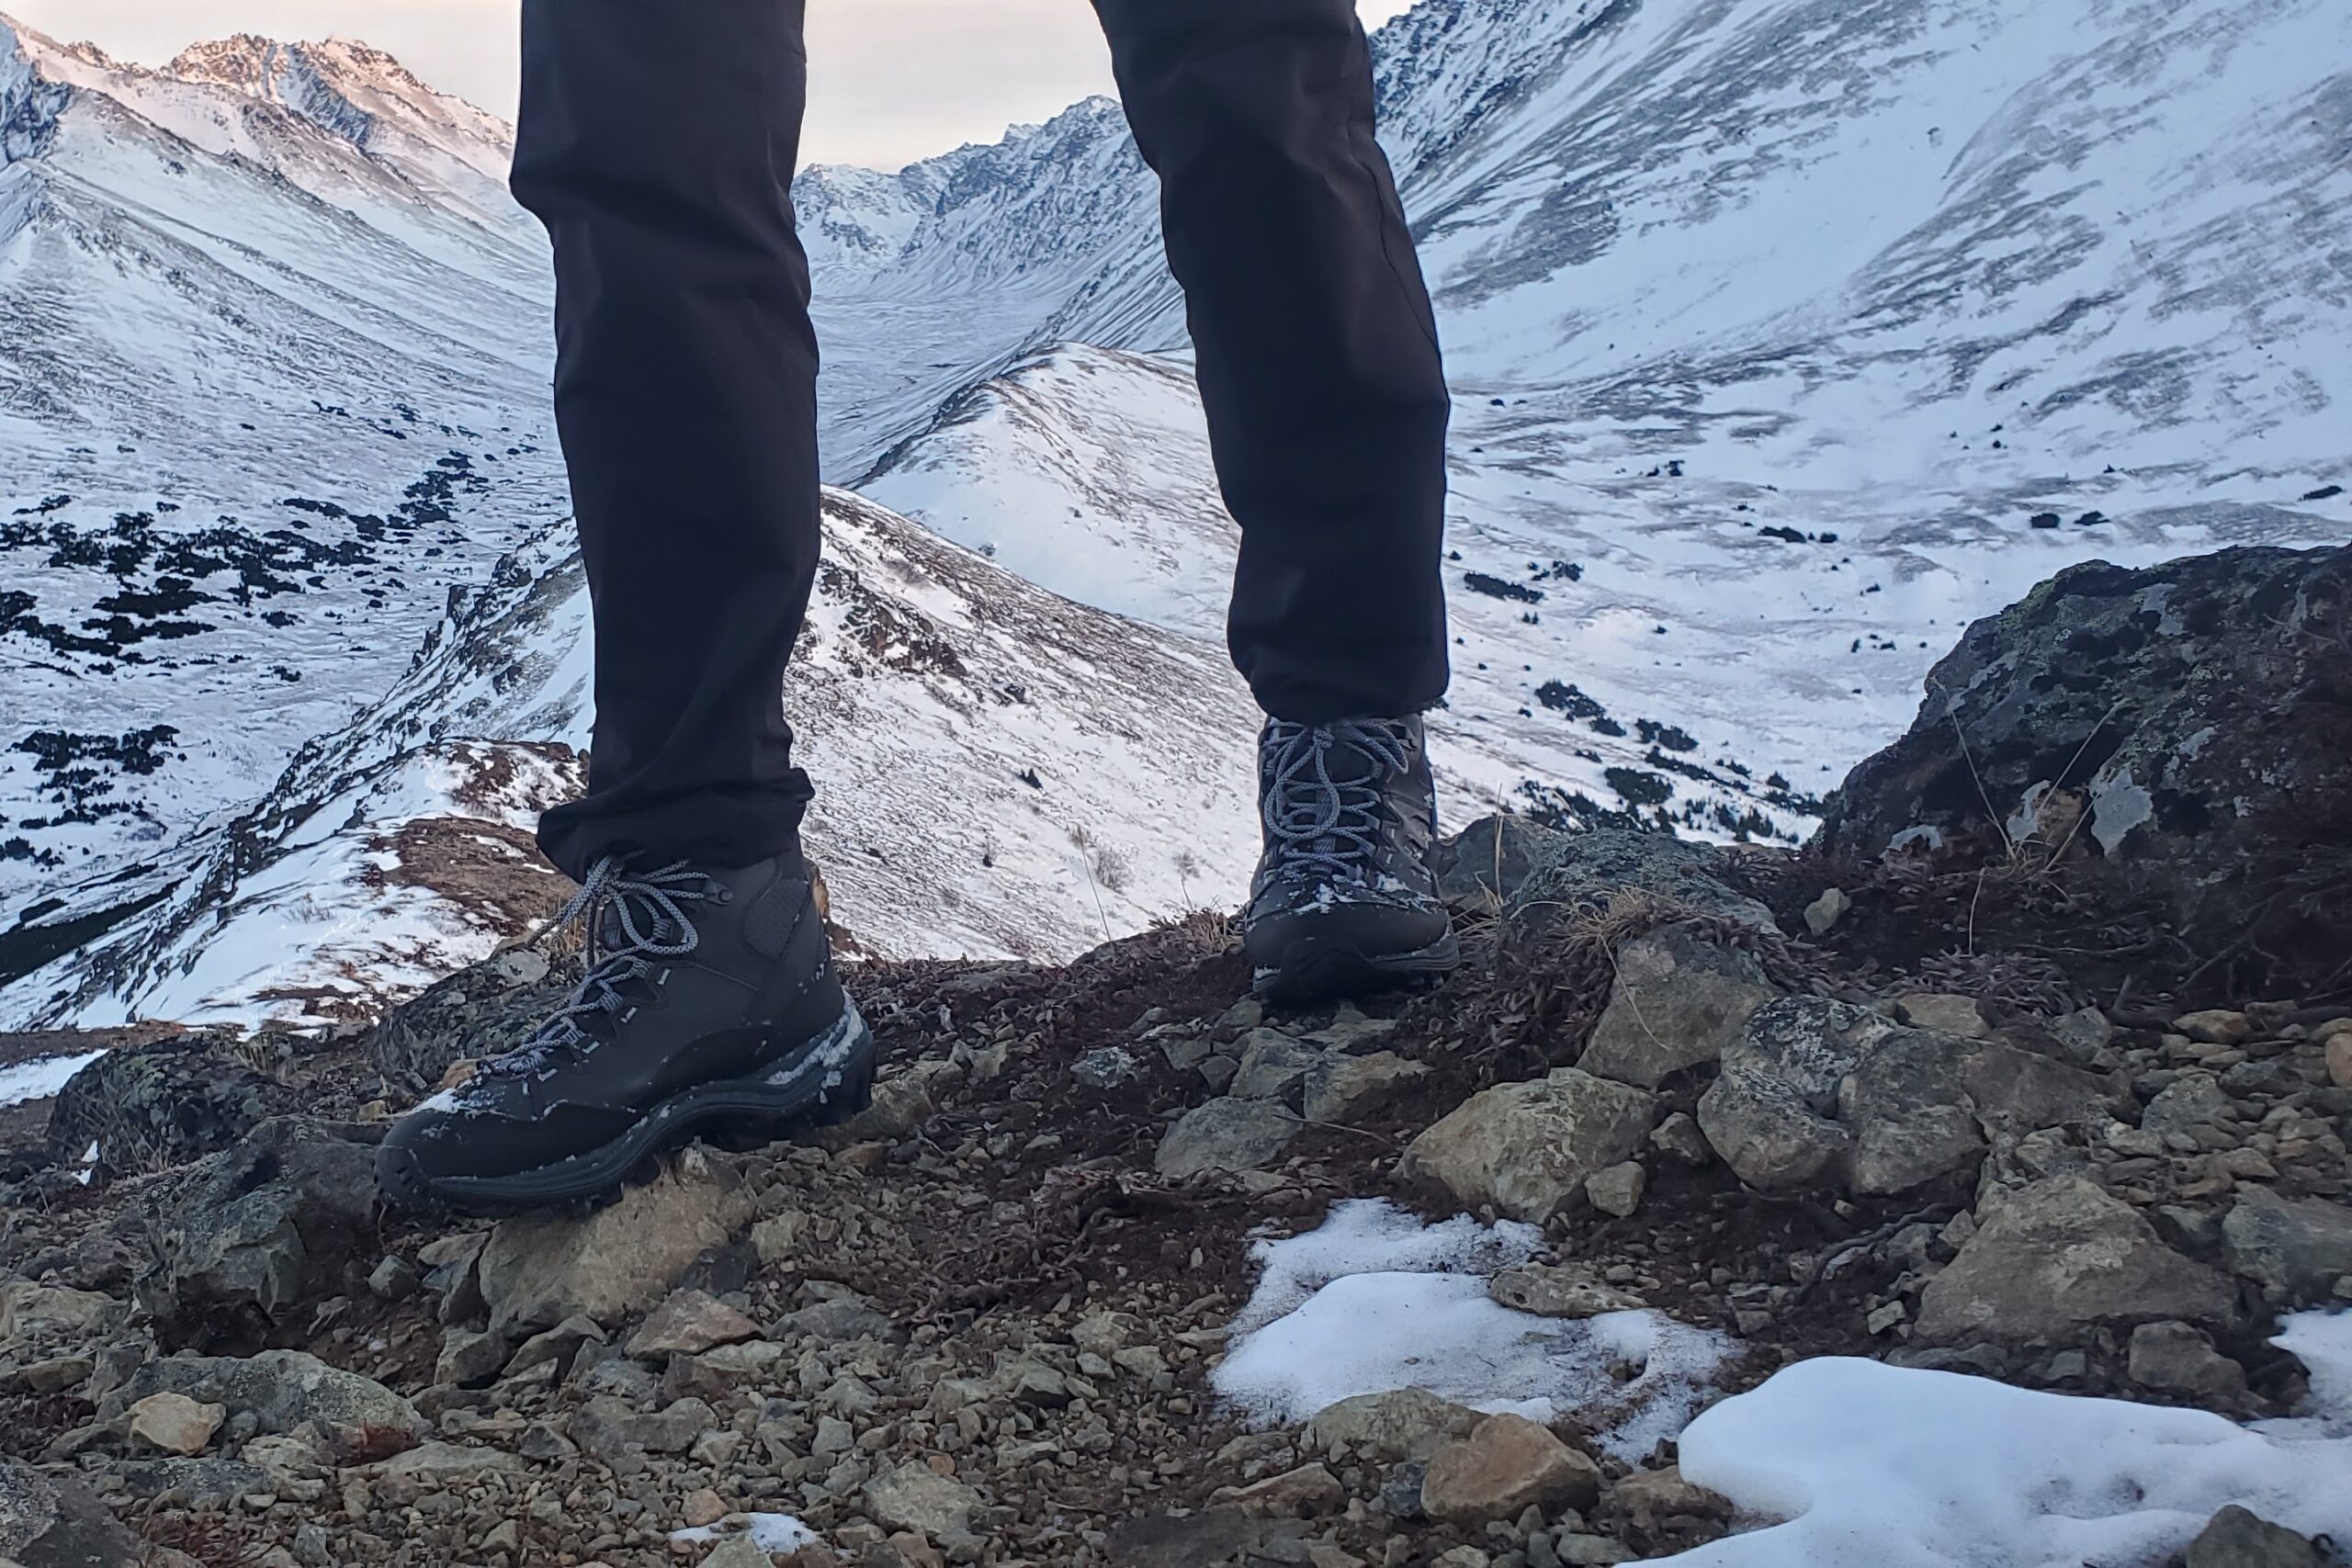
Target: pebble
(1617,1190)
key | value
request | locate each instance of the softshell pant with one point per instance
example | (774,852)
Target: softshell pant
(658,144)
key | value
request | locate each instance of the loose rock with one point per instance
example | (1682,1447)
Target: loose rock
(1343,1091)
(1225,1135)
(915,1497)
(1402,1424)
(1679,1001)
(2237,1538)
(1528,1148)
(1505,1467)
(2180,1359)
(1617,1190)
(2057,1257)
(536,1272)
(284,1388)
(2296,1251)
(175,1424)
(688,1323)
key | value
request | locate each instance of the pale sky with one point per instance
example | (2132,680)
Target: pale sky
(893,80)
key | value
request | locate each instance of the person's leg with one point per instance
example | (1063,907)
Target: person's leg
(1318,352)
(658,144)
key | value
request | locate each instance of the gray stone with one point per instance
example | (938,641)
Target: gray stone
(46,1523)
(1679,999)
(1402,1424)
(916,1497)
(2191,1101)
(2170,732)
(284,1388)
(48,1314)
(1944,1013)
(1679,1138)
(841,1320)
(1617,1190)
(1560,1290)
(2295,1250)
(394,1280)
(738,1551)
(536,1272)
(2058,1257)
(1107,1067)
(444,1462)
(1771,1115)
(1484,867)
(1352,1031)
(1231,1135)
(1528,1148)
(1820,1093)
(1593,871)
(470,1358)
(2180,1359)
(486,1010)
(687,1324)
(1346,1089)
(268,1224)
(1272,1064)
(1823,913)
(2236,1538)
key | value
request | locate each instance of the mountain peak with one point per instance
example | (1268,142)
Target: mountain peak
(288,75)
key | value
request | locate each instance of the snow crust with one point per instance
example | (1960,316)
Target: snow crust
(773,1533)
(1874,1466)
(1372,1300)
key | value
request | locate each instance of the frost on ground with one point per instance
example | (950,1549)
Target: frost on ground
(1373,1300)
(1874,1466)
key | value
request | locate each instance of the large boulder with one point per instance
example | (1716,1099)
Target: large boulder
(2181,734)
(1511,864)
(2059,1257)
(1528,1148)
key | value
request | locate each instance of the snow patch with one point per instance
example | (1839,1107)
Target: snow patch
(1873,1466)
(773,1533)
(39,1079)
(1374,1300)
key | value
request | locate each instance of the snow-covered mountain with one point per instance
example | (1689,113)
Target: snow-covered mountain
(1789,336)
(271,380)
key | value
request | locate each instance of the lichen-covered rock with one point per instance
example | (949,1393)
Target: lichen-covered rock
(149,1108)
(1819,1093)
(2296,1249)
(1229,1133)
(536,1272)
(1508,1465)
(1401,1424)
(2178,734)
(282,1389)
(46,1523)
(487,1010)
(265,1224)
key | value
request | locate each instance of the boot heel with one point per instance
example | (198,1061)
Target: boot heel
(854,1095)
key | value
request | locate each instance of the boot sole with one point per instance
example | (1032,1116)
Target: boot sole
(825,1082)
(1317,969)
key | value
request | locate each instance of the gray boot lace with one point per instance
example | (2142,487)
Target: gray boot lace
(1319,827)
(648,910)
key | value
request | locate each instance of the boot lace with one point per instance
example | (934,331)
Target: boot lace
(1317,825)
(648,910)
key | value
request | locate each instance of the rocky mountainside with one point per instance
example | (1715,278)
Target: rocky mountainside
(1734,1208)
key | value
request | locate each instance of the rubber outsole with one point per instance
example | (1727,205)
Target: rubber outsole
(1315,970)
(823,1084)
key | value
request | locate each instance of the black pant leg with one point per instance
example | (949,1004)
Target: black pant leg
(658,144)
(1318,358)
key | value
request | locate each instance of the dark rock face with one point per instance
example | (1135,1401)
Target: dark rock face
(46,1523)
(2181,735)
(262,1227)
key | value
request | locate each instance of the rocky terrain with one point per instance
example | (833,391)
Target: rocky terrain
(1726,1110)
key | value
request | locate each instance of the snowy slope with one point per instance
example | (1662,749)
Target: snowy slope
(1774,327)
(270,378)
(998,771)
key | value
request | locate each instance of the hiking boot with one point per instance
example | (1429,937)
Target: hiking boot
(1345,901)
(710,1005)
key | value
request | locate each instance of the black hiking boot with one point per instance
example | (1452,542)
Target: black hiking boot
(1345,902)
(710,1005)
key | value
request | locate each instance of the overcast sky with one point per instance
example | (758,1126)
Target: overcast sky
(895,79)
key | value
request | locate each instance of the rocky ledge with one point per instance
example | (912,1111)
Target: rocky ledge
(1818,1104)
